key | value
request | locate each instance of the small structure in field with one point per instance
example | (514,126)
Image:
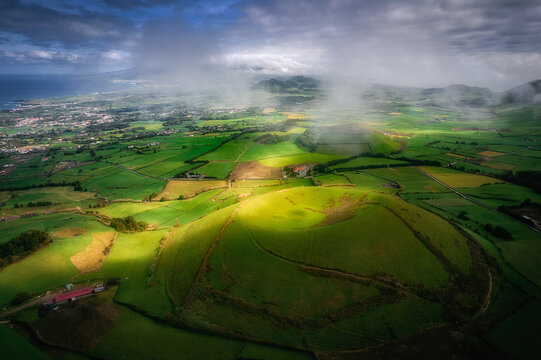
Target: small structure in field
(77,293)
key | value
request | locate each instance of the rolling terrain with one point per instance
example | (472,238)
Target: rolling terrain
(405,225)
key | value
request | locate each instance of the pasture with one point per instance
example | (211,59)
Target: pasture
(366,162)
(458,179)
(188,188)
(297,244)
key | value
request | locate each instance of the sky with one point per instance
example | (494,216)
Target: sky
(421,43)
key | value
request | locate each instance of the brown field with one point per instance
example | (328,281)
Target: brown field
(268,110)
(490,153)
(70,232)
(395,113)
(456,155)
(188,188)
(498,166)
(255,170)
(80,326)
(92,257)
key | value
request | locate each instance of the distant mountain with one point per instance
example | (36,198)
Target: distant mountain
(461,95)
(296,84)
(523,94)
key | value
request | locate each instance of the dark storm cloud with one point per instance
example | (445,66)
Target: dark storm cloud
(415,42)
(45,26)
(510,25)
(410,42)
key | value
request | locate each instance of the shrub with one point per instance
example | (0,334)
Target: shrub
(27,241)
(128,224)
(498,231)
(20,297)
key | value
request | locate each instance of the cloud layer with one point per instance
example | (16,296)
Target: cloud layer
(418,43)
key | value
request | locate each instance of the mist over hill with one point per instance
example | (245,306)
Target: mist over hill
(452,95)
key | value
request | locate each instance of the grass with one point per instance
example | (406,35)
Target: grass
(130,260)
(409,179)
(230,151)
(295,230)
(188,188)
(331,179)
(457,179)
(14,346)
(65,196)
(219,170)
(165,214)
(255,351)
(50,223)
(250,250)
(136,336)
(117,183)
(182,254)
(287,160)
(45,269)
(246,183)
(264,151)
(367,162)
(519,335)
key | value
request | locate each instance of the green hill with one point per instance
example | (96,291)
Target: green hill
(321,269)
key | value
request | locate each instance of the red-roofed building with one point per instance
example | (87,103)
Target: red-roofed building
(301,170)
(73,294)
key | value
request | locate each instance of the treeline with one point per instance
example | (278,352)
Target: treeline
(498,231)
(512,211)
(107,126)
(76,186)
(128,224)
(23,244)
(308,140)
(527,178)
(176,120)
(270,139)
(249,112)
(408,162)
(34,204)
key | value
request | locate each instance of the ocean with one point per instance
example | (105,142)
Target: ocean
(17,87)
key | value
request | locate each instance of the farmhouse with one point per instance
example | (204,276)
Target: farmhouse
(301,170)
(77,294)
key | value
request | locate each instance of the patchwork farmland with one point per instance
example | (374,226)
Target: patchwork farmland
(277,232)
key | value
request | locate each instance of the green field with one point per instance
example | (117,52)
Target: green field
(48,268)
(306,218)
(371,254)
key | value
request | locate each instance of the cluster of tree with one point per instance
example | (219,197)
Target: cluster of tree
(153,195)
(462,215)
(176,120)
(21,297)
(76,185)
(323,167)
(498,231)
(308,140)
(419,162)
(252,111)
(128,224)
(24,243)
(528,178)
(39,203)
(512,211)
(95,206)
(270,139)
(107,126)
